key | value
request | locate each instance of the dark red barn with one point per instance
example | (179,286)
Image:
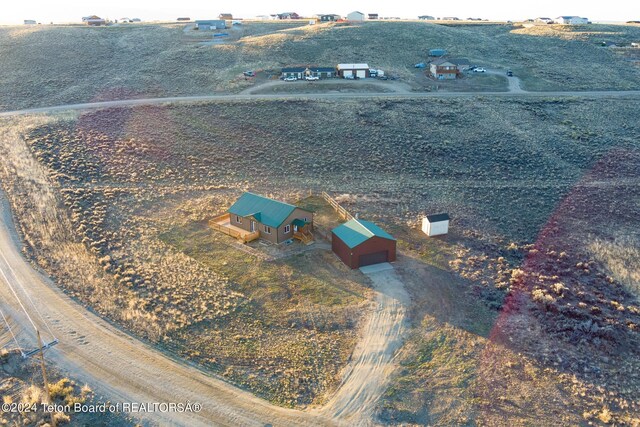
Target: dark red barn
(358,243)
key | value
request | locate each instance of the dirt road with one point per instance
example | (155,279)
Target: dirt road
(334,84)
(315,96)
(367,375)
(118,366)
(513,81)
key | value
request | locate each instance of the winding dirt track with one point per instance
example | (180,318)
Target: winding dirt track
(315,96)
(368,375)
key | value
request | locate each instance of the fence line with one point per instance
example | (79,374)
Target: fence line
(335,205)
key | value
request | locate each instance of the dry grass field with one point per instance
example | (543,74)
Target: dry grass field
(527,312)
(50,65)
(21,384)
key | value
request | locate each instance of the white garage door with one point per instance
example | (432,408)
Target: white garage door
(361,74)
(348,73)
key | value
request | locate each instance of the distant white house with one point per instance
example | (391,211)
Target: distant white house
(543,20)
(350,71)
(571,20)
(355,16)
(435,225)
(29,22)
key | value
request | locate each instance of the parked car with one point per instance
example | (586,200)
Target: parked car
(349,77)
(421,65)
(311,78)
(472,68)
(479,70)
(383,77)
(509,73)
(249,73)
(290,79)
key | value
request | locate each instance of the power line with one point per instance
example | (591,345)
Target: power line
(6,322)
(13,273)
(6,279)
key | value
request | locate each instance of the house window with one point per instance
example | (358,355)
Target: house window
(238,219)
(287,228)
(267,229)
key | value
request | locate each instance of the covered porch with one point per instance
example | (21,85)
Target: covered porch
(302,230)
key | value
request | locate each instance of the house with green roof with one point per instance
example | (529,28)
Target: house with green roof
(274,220)
(358,243)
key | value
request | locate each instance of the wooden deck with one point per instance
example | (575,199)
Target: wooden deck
(223,224)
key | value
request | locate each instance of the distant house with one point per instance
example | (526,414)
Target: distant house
(359,243)
(225,16)
(443,69)
(29,22)
(450,18)
(355,16)
(297,72)
(328,17)
(136,20)
(322,72)
(275,221)
(543,20)
(288,15)
(183,19)
(211,24)
(94,20)
(348,71)
(571,20)
(435,225)
(437,52)
(373,16)
(460,63)
(302,72)
(427,18)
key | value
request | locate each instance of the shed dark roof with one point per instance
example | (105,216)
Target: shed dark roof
(438,217)
(293,70)
(357,231)
(267,211)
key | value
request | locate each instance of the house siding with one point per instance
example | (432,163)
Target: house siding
(277,234)
(296,214)
(341,250)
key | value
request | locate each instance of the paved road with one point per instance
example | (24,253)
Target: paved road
(119,366)
(316,96)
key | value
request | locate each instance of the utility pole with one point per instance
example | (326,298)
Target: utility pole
(47,396)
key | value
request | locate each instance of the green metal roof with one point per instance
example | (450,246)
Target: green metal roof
(357,231)
(266,211)
(299,222)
